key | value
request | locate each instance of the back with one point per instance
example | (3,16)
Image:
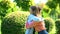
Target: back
(39,26)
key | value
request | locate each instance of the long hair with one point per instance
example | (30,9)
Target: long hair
(35,10)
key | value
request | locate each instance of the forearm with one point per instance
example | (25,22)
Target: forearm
(29,25)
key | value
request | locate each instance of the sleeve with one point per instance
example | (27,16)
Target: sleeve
(26,25)
(37,19)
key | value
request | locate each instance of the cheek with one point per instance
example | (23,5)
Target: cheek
(31,11)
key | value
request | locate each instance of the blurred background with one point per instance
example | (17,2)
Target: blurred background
(14,13)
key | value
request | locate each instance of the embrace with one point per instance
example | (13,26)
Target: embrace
(35,21)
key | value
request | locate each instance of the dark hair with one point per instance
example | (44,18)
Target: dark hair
(35,10)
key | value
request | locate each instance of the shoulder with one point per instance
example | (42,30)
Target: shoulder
(42,18)
(30,17)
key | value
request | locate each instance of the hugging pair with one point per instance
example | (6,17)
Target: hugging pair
(35,21)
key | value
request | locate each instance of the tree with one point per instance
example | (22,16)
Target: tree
(6,6)
(24,4)
(53,6)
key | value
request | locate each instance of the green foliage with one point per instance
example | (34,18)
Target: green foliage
(3,7)
(57,1)
(54,6)
(58,16)
(14,23)
(53,14)
(57,26)
(44,14)
(24,4)
(46,10)
(0,25)
(6,6)
(51,4)
(49,24)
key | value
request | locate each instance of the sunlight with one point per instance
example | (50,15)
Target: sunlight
(44,1)
(11,0)
(36,1)
(40,1)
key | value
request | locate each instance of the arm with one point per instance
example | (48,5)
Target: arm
(29,25)
(37,19)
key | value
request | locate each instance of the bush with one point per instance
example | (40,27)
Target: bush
(49,24)
(13,23)
(57,26)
